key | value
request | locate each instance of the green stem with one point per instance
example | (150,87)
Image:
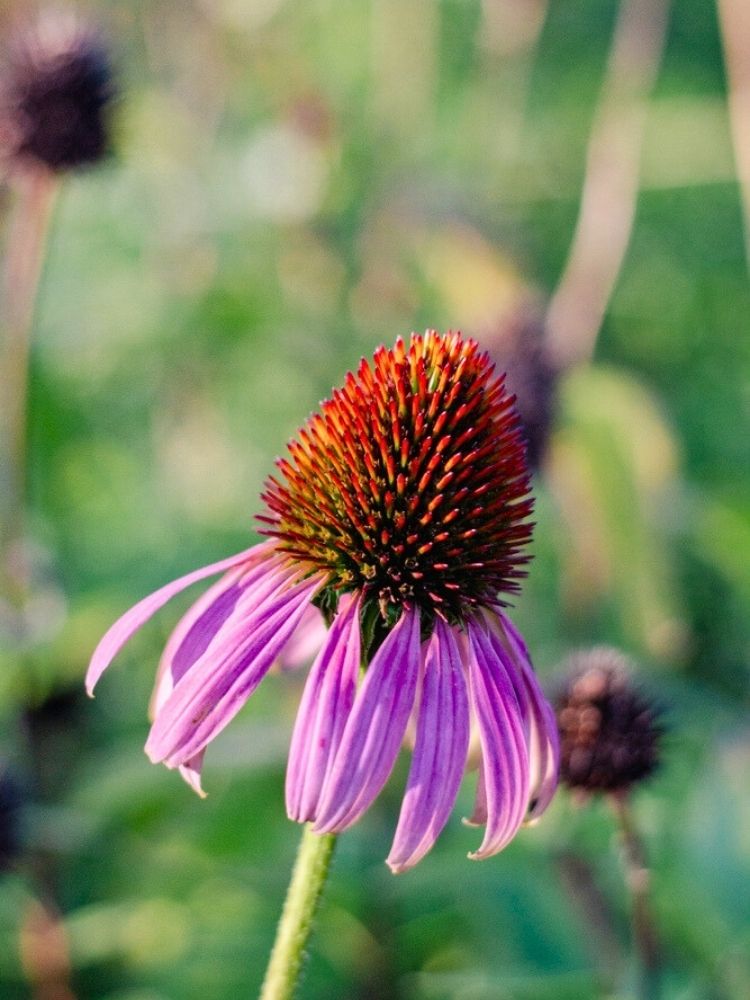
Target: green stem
(308,879)
(35,198)
(638,878)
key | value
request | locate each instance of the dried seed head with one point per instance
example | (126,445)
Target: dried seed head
(55,95)
(411,483)
(609,732)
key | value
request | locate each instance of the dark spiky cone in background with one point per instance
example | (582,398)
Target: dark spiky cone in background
(55,96)
(517,347)
(610,732)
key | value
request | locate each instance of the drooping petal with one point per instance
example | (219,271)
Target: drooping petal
(504,754)
(306,642)
(214,611)
(200,625)
(326,703)
(479,813)
(193,633)
(219,683)
(543,737)
(439,752)
(115,638)
(375,728)
(191,772)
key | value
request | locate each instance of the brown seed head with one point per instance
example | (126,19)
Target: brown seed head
(55,95)
(609,732)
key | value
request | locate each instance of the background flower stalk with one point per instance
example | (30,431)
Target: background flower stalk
(55,95)
(610,742)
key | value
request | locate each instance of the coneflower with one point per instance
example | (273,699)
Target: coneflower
(402,515)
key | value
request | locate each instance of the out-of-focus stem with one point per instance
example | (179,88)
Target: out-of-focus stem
(35,196)
(734,19)
(44,953)
(638,879)
(601,937)
(510,31)
(610,187)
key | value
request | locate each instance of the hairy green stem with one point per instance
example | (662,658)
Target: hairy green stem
(308,879)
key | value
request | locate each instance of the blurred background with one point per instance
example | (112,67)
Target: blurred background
(293,183)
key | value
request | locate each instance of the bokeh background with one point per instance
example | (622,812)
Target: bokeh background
(294,182)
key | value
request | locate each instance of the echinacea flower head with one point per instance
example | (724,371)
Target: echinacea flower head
(55,95)
(610,731)
(396,526)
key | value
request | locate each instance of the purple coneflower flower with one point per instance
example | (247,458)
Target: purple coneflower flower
(401,514)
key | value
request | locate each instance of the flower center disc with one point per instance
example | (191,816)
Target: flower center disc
(411,484)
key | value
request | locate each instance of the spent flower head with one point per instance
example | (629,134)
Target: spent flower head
(55,95)
(395,526)
(610,732)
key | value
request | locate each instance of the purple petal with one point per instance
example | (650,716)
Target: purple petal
(220,607)
(193,633)
(116,637)
(543,738)
(191,772)
(374,730)
(199,625)
(501,732)
(219,683)
(198,628)
(479,813)
(326,703)
(306,642)
(439,752)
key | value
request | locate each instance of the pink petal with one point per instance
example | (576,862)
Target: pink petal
(193,633)
(191,772)
(126,626)
(543,737)
(219,683)
(439,753)
(326,703)
(479,813)
(206,620)
(501,732)
(200,626)
(306,642)
(374,730)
